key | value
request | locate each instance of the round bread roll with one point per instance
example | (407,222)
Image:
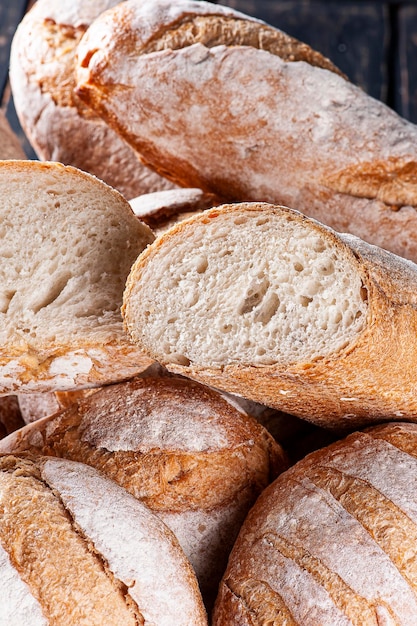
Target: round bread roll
(180,447)
(10,147)
(68,243)
(58,125)
(333,541)
(78,550)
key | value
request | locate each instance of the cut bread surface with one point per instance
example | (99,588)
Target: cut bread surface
(246,284)
(68,242)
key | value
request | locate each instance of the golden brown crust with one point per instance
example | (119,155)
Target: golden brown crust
(299,525)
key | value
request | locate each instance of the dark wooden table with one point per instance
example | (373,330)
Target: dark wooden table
(374,42)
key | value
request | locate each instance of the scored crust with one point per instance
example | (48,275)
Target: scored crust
(91,557)
(179,447)
(332,540)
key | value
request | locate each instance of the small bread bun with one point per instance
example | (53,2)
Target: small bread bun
(333,541)
(181,448)
(78,550)
(68,243)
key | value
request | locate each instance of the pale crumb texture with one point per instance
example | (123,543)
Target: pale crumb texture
(67,245)
(333,540)
(253,287)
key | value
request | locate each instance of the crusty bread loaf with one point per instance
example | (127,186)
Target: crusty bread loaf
(181,448)
(249,116)
(162,209)
(261,301)
(10,146)
(68,243)
(58,124)
(333,541)
(78,550)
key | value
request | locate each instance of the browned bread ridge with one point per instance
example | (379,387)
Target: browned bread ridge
(67,245)
(181,448)
(57,123)
(250,117)
(264,302)
(332,541)
(77,550)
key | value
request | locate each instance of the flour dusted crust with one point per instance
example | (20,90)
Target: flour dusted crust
(291,132)
(179,447)
(266,303)
(68,244)
(95,556)
(332,540)
(10,146)
(59,126)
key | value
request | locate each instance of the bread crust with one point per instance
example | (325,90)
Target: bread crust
(330,542)
(88,554)
(246,124)
(59,126)
(180,448)
(371,379)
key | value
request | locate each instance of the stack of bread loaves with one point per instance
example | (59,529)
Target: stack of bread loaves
(146,354)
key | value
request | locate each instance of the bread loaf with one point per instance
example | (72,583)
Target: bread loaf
(10,147)
(263,302)
(332,541)
(68,243)
(78,550)
(181,448)
(58,124)
(250,115)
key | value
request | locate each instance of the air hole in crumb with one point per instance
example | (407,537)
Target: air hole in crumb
(261,221)
(57,204)
(358,314)
(254,296)
(260,351)
(202,265)
(239,220)
(226,328)
(305,300)
(326,268)
(267,309)
(364,294)
(298,266)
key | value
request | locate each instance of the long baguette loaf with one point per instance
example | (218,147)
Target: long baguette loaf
(332,541)
(251,117)
(57,123)
(261,301)
(179,447)
(78,550)
(68,243)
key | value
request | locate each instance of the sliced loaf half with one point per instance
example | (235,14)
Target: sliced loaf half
(67,244)
(261,301)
